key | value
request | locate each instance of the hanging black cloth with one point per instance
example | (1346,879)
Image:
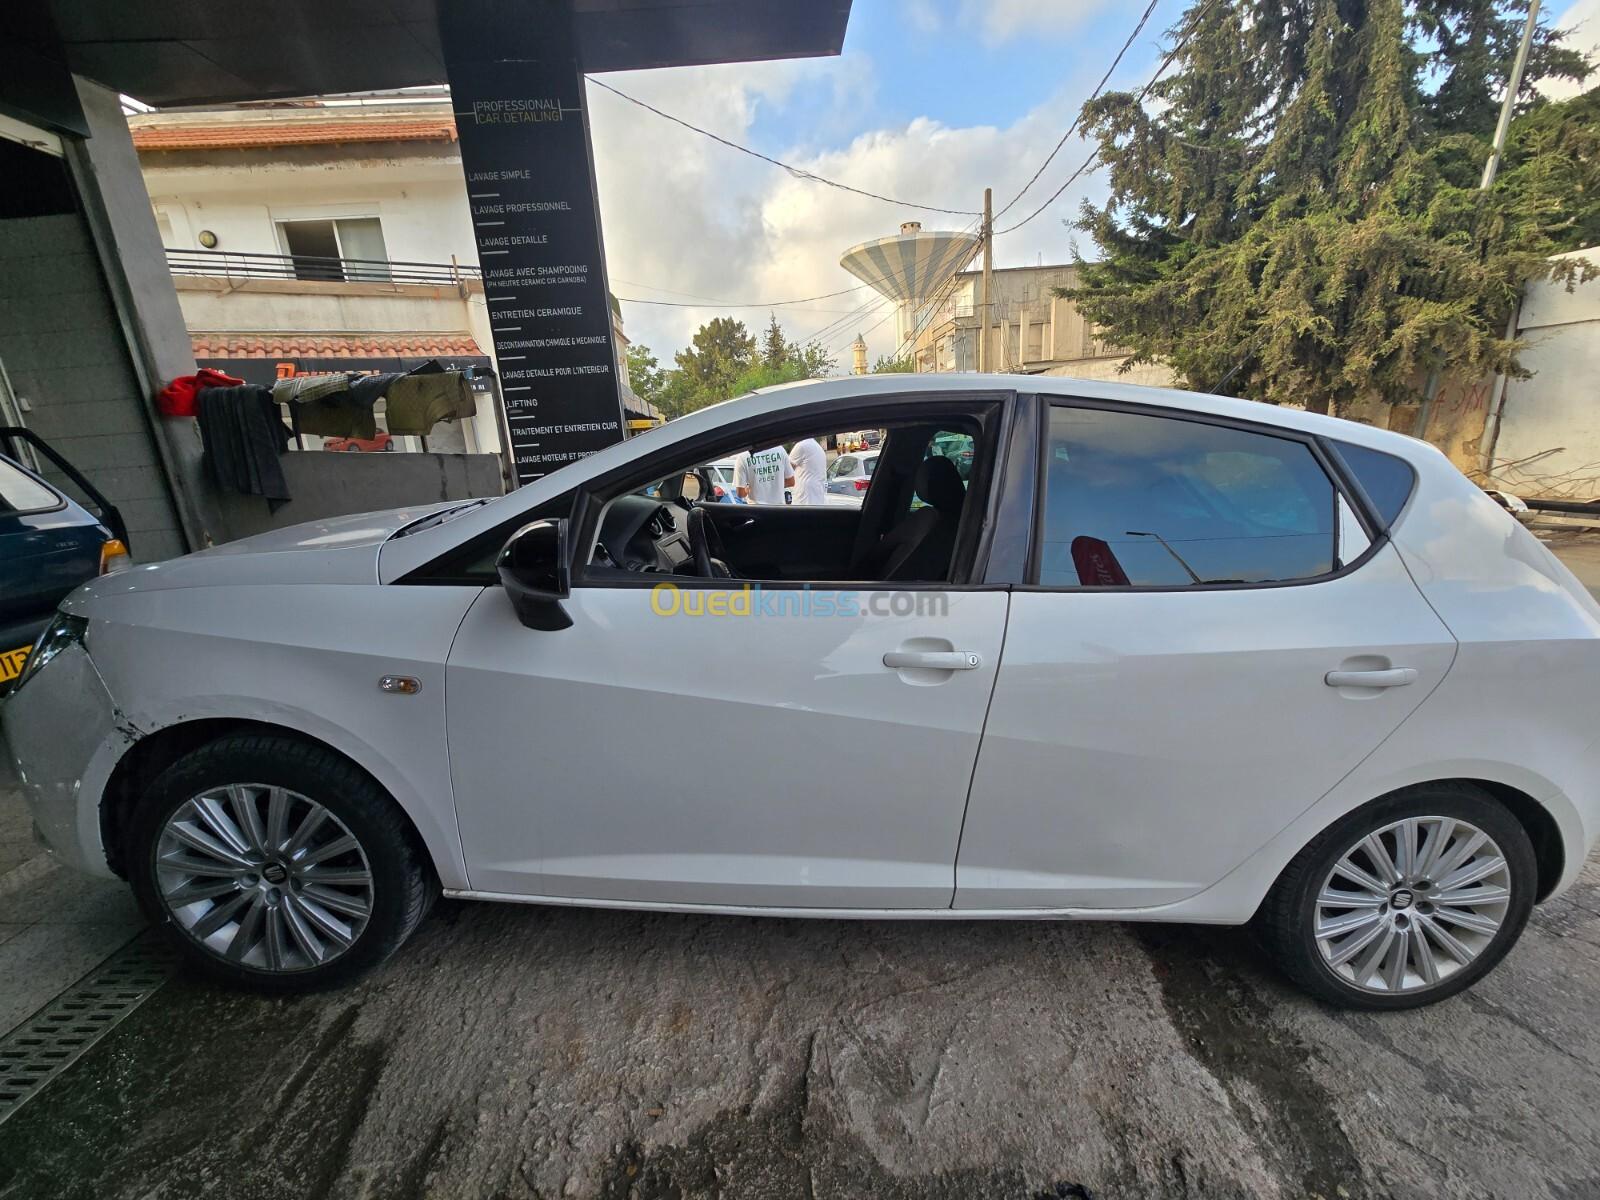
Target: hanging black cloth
(243,437)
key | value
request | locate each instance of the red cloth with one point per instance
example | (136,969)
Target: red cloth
(177,399)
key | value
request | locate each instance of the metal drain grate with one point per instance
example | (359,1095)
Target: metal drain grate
(59,1033)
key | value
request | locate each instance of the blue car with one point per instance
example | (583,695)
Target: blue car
(49,544)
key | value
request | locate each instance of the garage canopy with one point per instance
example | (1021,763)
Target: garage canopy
(213,51)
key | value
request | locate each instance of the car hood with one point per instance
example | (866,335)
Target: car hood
(330,550)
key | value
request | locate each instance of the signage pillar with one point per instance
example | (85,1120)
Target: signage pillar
(518,96)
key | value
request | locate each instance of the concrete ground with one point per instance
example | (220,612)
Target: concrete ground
(526,1052)
(1581,552)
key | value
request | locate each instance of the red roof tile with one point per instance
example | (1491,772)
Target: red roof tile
(334,345)
(291,133)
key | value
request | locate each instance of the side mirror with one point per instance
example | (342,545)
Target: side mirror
(536,572)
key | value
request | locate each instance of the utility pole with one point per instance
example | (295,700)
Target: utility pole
(987,281)
(1513,86)
(1490,170)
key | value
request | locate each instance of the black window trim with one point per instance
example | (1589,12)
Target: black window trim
(1338,475)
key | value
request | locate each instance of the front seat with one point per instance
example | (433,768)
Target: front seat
(920,546)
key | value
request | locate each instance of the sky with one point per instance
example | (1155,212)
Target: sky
(930,102)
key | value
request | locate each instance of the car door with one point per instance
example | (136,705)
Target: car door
(1165,703)
(677,744)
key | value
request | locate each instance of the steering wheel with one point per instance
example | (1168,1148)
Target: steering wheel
(705,539)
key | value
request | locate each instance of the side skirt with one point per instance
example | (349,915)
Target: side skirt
(1172,913)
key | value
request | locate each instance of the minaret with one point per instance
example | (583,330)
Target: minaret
(859,349)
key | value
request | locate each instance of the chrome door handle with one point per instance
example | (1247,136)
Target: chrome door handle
(933,660)
(1393,677)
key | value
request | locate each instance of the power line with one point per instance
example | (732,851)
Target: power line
(1089,163)
(1071,129)
(650,287)
(893,276)
(797,172)
(707,302)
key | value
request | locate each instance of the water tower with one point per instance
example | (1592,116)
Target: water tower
(910,269)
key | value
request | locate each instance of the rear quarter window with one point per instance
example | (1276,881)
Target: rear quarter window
(21,493)
(1387,479)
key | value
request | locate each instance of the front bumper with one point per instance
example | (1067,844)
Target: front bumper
(61,735)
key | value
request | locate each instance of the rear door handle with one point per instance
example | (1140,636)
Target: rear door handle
(1393,677)
(933,660)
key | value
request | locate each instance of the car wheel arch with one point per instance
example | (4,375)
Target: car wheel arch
(1536,819)
(145,759)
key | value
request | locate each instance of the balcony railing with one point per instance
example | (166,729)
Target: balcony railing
(231,264)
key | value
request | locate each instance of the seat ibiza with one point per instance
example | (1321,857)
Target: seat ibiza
(1153,656)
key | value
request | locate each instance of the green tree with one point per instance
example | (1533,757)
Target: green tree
(893,366)
(1295,213)
(645,376)
(776,348)
(723,360)
(720,351)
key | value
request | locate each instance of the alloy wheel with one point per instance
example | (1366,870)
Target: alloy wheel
(263,877)
(1411,904)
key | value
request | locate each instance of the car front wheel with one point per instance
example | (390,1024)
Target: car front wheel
(1404,902)
(276,864)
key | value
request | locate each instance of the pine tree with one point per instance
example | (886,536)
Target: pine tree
(776,349)
(1295,214)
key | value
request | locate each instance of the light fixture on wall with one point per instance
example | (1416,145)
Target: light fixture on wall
(208,239)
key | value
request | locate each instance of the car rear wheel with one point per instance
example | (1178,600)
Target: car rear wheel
(276,864)
(1404,902)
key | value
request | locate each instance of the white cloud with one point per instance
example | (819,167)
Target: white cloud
(922,16)
(1581,22)
(1000,21)
(684,213)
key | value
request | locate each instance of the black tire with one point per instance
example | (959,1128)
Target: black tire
(1287,918)
(403,882)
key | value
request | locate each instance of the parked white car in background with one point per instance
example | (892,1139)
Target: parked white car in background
(1155,656)
(850,475)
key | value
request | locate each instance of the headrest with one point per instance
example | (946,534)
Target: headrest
(939,483)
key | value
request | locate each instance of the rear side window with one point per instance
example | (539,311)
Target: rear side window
(1386,479)
(1142,501)
(21,493)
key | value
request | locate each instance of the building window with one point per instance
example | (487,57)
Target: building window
(345,248)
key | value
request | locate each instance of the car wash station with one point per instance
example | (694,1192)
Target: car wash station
(91,333)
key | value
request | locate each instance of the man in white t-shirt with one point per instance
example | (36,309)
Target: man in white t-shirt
(810,464)
(760,476)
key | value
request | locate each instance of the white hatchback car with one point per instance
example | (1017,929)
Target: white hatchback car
(1160,657)
(850,475)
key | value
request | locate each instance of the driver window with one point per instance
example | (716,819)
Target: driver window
(795,510)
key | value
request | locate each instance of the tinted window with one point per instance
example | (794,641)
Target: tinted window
(1142,501)
(1387,480)
(845,466)
(21,493)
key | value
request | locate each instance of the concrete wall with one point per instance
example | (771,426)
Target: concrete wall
(133,262)
(331,485)
(1147,374)
(67,358)
(1549,439)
